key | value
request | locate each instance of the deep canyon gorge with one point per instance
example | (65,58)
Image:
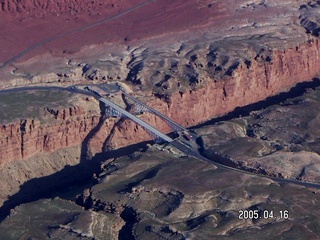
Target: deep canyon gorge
(191,71)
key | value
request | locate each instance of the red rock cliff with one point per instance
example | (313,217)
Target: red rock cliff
(247,85)
(23,138)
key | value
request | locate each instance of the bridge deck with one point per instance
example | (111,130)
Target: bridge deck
(136,119)
(178,126)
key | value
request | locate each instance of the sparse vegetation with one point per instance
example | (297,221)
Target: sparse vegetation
(29,104)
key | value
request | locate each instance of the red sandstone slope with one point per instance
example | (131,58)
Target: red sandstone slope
(204,57)
(190,108)
(47,7)
(26,25)
(69,26)
(148,40)
(231,63)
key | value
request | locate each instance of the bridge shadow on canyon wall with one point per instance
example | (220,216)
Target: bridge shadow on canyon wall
(50,186)
(295,91)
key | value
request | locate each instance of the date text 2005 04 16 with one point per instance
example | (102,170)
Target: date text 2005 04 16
(264,214)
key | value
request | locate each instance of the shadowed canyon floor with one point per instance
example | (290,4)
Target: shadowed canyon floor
(279,140)
(155,195)
(68,172)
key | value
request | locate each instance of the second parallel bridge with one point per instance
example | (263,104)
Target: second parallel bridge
(136,119)
(175,125)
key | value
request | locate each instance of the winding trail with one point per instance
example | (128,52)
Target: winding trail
(80,29)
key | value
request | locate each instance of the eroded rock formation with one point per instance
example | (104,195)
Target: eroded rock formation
(288,67)
(192,73)
(156,195)
(24,138)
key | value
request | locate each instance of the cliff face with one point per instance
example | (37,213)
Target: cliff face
(228,56)
(23,138)
(247,85)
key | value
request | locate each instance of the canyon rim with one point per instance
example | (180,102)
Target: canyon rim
(193,61)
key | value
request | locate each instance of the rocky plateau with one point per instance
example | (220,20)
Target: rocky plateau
(156,194)
(279,140)
(198,62)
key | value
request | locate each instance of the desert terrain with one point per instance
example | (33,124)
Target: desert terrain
(242,74)
(161,195)
(280,140)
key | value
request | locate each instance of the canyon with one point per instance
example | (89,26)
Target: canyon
(154,194)
(191,71)
(189,108)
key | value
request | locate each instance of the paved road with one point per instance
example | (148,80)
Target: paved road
(197,155)
(137,120)
(109,88)
(39,44)
(176,125)
(174,143)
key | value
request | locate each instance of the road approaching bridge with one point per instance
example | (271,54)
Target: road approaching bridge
(137,120)
(175,143)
